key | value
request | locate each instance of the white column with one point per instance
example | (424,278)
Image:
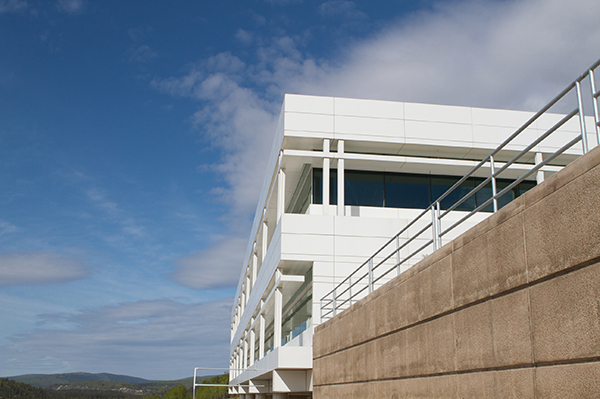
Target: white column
(265,237)
(247,288)
(340,179)
(242,304)
(540,174)
(245,354)
(326,162)
(280,194)
(261,335)
(254,268)
(252,345)
(277,318)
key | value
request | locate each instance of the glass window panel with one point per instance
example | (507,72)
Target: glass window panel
(441,184)
(333,186)
(363,188)
(318,186)
(484,194)
(403,190)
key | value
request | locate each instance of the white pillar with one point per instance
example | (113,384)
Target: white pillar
(277,318)
(254,266)
(280,194)
(540,174)
(252,345)
(340,179)
(261,335)
(326,162)
(247,288)
(245,354)
(265,237)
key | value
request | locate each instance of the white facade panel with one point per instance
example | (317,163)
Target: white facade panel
(369,108)
(303,122)
(313,246)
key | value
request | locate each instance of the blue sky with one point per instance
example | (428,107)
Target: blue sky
(133,137)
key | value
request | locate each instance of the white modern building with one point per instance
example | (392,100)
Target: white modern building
(344,176)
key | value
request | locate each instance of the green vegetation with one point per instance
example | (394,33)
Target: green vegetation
(180,389)
(12,389)
(47,380)
(214,392)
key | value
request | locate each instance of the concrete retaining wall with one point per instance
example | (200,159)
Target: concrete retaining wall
(510,309)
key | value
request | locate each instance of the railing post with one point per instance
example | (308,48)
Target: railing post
(595,105)
(438,227)
(397,255)
(433,227)
(494,189)
(370,275)
(584,141)
(540,176)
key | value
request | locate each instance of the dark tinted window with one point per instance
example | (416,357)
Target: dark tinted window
(363,188)
(407,191)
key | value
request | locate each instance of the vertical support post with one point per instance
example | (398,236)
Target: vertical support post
(494,188)
(280,194)
(243,304)
(370,275)
(438,227)
(247,288)
(584,141)
(540,176)
(340,180)
(398,255)
(326,183)
(277,310)
(433,227)
(261,334)
(265,237)
(252,345)
(245,354)
(595,104)
(254,266)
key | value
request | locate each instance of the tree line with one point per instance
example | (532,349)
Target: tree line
(10,389)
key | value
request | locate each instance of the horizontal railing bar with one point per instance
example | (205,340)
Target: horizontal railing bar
(336,301)
(513,184)
(404,260)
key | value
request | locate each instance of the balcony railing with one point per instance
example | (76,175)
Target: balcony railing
(426,232)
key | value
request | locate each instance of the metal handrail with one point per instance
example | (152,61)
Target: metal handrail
(351,288)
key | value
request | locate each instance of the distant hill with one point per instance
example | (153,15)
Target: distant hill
(47,380)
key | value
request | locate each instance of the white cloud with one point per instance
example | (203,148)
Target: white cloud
(341,8)
(243,36)
(514,54)
(12,5)
(141,54)
(71,6)
(39,268)
(506,54)
(159,339)
(216,267)
(7,228)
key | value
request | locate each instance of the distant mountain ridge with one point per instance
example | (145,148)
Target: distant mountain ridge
(47,380)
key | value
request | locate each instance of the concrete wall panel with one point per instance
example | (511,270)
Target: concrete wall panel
(510,309)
